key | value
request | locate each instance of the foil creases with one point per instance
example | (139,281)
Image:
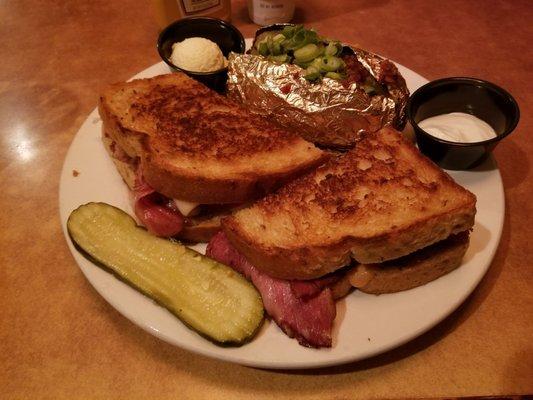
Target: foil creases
(326,113)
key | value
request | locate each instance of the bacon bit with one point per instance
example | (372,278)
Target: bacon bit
(286,89)
(75,173)
(389,72)
(355,71)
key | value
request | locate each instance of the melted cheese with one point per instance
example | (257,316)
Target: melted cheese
(360,276)
(186,208)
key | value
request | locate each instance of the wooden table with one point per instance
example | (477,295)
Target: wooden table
(60,339)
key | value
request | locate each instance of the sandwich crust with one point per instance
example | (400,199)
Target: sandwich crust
(413,270)
(198,146)
(380,201)
(195,229)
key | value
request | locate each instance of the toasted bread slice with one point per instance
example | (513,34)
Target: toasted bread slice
(380,201)
(196,145)
(413,270)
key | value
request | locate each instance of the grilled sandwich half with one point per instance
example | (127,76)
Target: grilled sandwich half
(381,201)
(185,150)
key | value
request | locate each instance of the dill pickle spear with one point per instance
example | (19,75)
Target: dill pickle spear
(209,297)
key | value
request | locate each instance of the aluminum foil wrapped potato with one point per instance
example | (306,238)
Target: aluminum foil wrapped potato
(327,106)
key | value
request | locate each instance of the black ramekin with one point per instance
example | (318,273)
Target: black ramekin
(473,96)
(225,35)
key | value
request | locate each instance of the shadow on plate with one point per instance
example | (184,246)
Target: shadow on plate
(478,241)
(341,313)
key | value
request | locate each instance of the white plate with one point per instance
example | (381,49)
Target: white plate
(366,325)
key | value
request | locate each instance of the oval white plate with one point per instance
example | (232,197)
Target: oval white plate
(366,325)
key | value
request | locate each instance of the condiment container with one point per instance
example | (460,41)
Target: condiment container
(266,12)
(477,97)
(225,35)
(168,11)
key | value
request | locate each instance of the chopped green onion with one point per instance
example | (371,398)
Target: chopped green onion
(262,47)
(331,49)
(334,75)
(276,48)
(289,30)
(307,53)
(305,48)
(280,59)
(317,62)
(311,37)
(312,73)
(331,64)
(299,39)
(302,64)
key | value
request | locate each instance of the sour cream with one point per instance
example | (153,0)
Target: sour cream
(458,127)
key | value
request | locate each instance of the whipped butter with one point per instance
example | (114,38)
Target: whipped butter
(198,54)
(458,127)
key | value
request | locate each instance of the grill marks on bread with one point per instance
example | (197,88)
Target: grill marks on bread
(190,122)
(196,145)
(382,173)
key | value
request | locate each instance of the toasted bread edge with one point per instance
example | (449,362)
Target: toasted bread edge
(413,270)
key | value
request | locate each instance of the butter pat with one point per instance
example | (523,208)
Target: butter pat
(198,55)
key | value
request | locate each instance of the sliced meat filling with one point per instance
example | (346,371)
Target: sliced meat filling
(304,310)
(308,289)
(156,212)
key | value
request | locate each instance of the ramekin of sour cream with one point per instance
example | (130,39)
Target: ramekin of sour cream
(458,127)
(459,121)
